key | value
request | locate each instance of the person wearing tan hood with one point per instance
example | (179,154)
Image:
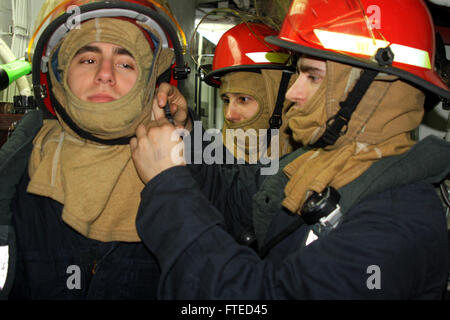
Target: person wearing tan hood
(252,77)
(353,214)
(95,71)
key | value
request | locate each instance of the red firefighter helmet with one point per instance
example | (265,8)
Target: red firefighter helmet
(356,32)
(243,48)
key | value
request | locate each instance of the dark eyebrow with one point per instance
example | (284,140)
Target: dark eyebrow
(123,51)
(96,49)
(310,69)
(88,49)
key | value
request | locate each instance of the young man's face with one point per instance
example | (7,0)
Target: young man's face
(239,107)
(311,73)
(102,72)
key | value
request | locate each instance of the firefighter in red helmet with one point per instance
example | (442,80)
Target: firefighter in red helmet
(72,189)
(352,214)
(252,77)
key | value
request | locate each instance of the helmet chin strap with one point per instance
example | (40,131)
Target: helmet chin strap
(337,125)
(276,120)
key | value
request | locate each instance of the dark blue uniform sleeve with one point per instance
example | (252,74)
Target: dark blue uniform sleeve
(227,186)
(392,245)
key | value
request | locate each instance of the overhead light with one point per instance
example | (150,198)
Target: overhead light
(213,31)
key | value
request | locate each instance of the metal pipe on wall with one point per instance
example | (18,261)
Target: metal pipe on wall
(7,56)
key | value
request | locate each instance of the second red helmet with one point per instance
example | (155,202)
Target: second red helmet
(243,48)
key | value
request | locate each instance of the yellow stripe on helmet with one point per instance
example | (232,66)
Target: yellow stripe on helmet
(269,57)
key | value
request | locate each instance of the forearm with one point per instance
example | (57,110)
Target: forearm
(176,220)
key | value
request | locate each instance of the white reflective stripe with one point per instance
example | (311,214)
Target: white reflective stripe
(270,57)
(4,259)
(349,43)
(368,46)
(412,56)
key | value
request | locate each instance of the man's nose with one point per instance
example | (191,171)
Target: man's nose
(105,73)
(232,112)
(298,92)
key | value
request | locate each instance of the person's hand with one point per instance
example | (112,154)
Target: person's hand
(158,148)
(178,105)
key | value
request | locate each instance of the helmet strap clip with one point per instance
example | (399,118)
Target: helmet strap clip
(181,72)
(384,56)
(337,125)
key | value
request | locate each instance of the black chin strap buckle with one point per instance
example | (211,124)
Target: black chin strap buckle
(337,125)
(340,123)
(275,121)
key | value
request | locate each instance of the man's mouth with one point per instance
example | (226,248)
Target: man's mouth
(293,106)
(101,97)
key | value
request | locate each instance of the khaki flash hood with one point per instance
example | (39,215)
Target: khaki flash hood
(380,127)
(97,183)
(264,88)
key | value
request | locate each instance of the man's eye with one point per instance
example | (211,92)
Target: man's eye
(314,78)
(244,99)
(87,61)
(225,100)
(125,66)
